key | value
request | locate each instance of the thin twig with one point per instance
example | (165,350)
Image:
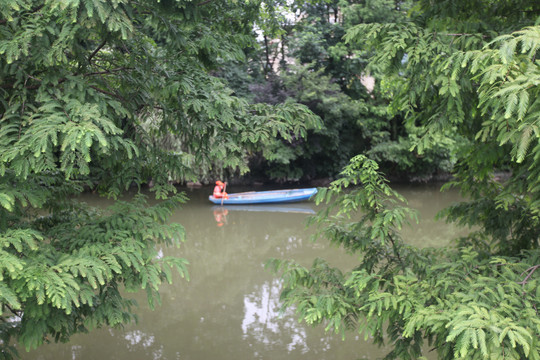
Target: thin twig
(106,72)
(530,270)
(96,51)
(462,34)
(108,93)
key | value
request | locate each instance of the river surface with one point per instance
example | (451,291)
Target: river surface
(229,309)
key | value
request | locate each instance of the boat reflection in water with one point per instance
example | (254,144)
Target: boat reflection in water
(221,212)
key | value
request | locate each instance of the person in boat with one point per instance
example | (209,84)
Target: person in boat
(219,190)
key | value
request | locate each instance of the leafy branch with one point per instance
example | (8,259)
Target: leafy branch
(458,300)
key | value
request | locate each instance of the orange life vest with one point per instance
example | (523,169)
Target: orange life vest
(219,193)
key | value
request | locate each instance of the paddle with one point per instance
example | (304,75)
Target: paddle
(223,195)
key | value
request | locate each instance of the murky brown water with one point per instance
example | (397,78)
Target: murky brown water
(229,308)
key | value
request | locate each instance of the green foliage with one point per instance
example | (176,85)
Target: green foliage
(508,72)
(453,75)
(409,155)
(329,76)
(464,77)
(459,302)
(63,274)
(375,11)
(123,74)
(326,150)
(107,95)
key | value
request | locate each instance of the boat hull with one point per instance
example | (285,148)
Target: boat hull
(266,197)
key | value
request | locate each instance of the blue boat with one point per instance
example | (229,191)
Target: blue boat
(265,197)
(281,208)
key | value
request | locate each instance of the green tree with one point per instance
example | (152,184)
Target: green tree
(466,68)
(329,76)
(106,95)
(306,75)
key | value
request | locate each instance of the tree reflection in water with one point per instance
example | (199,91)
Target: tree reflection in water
(263,322)
(138,337)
